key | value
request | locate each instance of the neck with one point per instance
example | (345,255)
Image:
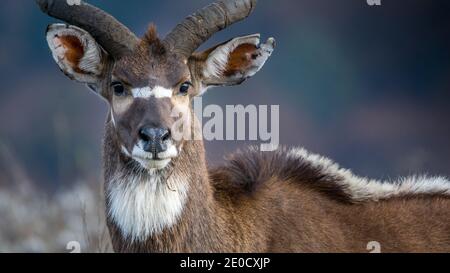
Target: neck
(167,211)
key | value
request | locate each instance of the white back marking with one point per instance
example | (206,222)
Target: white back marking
(362,188)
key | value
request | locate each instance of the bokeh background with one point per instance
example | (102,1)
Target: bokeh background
(368,86)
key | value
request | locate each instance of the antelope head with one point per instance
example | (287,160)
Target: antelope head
(149,82)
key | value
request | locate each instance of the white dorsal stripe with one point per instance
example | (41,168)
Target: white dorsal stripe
(363,189)
(147,92)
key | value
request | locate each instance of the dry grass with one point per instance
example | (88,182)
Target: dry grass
(31,221)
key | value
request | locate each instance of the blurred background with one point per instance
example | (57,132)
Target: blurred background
(368,86)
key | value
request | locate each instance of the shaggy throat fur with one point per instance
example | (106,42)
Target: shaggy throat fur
(142,205)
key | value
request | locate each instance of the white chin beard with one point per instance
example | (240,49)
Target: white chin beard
(153,164)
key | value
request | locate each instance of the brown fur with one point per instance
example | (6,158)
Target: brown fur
(314,214)
(256,202)
(151,59)
(74,51)
(240,59)
(151,38)
(262,202)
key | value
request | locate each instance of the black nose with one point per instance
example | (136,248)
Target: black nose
(155,140)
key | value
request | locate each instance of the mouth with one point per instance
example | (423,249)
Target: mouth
(154,162)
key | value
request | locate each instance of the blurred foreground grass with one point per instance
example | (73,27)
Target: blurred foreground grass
(33,221)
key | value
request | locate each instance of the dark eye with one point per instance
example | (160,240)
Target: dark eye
(184,88)
(118,88)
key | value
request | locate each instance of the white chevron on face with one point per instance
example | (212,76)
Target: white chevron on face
(147,92)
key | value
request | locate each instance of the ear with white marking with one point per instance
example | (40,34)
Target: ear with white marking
(235,61)
(77,53)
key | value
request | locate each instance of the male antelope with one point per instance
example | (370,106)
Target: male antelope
(160,196)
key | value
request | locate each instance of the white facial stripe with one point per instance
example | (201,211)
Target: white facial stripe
(146,92)
(161,92)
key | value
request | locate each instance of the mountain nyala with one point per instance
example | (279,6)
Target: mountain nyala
(160,194)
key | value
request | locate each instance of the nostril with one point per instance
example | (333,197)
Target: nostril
(166,135)
(154,135)
(143,134)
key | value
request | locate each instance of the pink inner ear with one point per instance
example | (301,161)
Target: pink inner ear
(240,59)
(69,49)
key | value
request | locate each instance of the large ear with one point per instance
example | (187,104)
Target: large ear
(77,53)
(234,61)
